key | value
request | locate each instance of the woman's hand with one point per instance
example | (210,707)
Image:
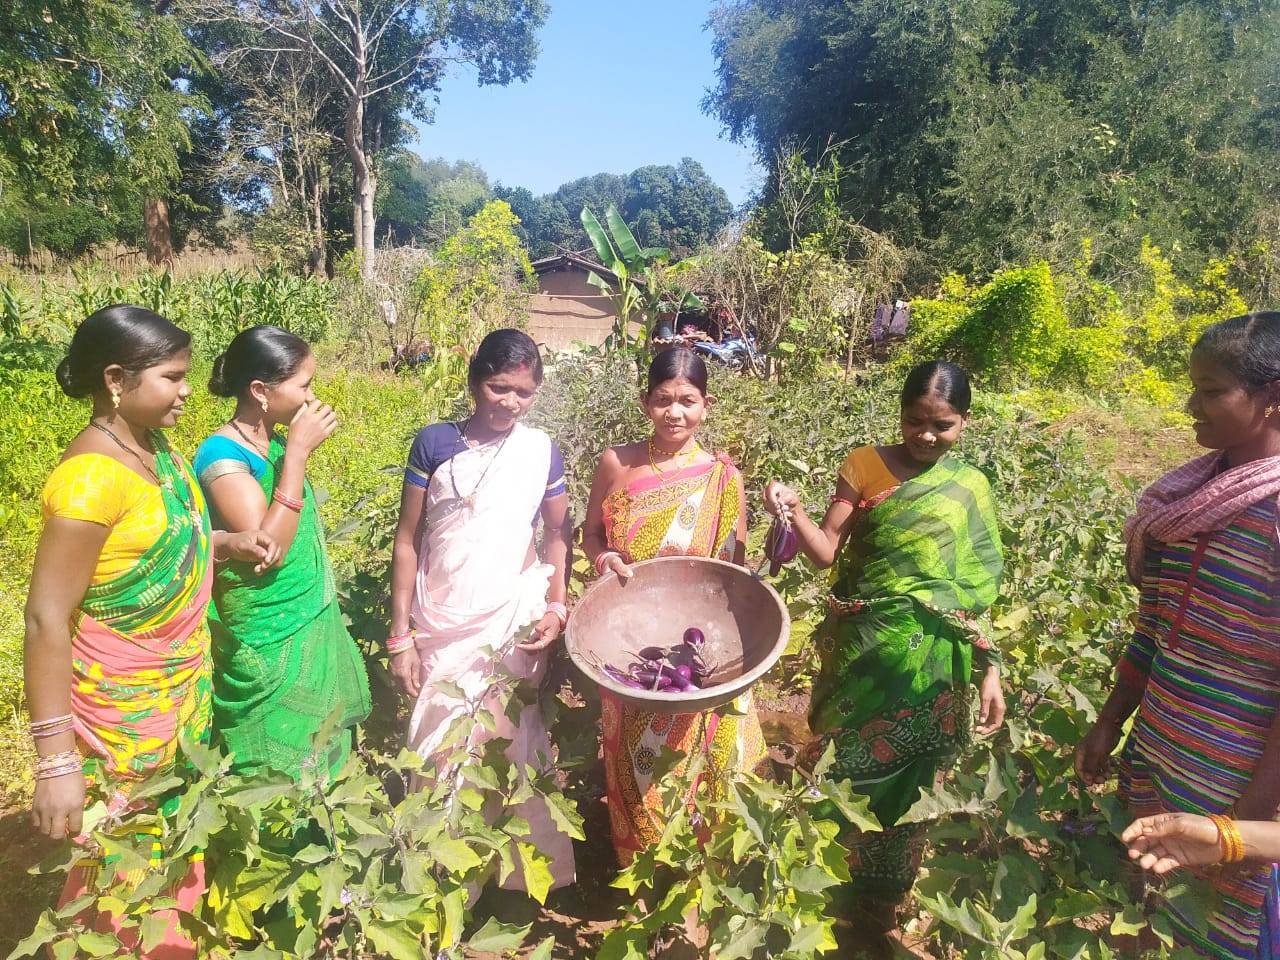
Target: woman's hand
(311,426)
(544,634)
(1093,756)
(58,807)
(780,500)
(406,667)
(251,546)
(990,702)
(1171,840)
(617,565)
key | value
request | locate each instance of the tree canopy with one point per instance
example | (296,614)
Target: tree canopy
(992,131)
(678,207)
(91,120)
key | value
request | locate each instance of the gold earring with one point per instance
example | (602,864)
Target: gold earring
(1272,410)
(115,400)
(264,404)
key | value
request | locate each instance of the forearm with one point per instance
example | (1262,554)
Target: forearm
(404,572)
(1261,839)
(815,543)
(1123,701)
(556,552)
(281,521)
(47,672)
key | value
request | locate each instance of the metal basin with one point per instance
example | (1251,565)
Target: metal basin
(744,620)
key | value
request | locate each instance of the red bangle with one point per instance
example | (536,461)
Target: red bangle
(843,500)
(287,501)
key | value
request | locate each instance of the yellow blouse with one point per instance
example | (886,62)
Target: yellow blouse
(96,488)
(865,470)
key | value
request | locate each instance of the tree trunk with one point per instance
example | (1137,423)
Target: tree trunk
(362,184)
(155,216)
(315,261)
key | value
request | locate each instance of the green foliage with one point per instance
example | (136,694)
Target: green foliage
(680,208)
(382,860)
(753,860)
(1027,326)
(92,122)
(428,200)
(642,290)
(476,282)
(1000,133)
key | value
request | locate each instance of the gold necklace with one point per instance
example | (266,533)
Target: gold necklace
(663,477)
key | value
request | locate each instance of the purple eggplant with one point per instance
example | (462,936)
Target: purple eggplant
(652,653)
(694,637)
(780,545)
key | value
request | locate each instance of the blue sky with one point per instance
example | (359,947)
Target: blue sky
(616,86)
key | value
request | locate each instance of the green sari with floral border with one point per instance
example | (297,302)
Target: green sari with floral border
(922,565)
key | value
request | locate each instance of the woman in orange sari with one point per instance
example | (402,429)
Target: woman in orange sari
(117,650)
(666,496)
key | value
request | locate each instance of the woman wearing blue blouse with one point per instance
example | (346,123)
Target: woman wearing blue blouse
(284,663)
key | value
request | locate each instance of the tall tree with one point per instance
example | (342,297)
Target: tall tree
(385,58)
(992,131)
(92,124)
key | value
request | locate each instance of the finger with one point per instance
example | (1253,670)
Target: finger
(75,820)
(58,826)
(1165,864)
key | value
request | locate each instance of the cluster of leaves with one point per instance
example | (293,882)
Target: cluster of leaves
(212,307)
(752,860)
(643,290)
(1028,325)
(1002,133)
(382,861)
(92,121)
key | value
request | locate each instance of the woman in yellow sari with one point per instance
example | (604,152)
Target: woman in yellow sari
(117,648)
(666,496)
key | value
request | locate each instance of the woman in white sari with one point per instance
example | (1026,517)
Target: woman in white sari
(466,579)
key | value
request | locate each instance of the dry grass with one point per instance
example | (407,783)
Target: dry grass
(127,261)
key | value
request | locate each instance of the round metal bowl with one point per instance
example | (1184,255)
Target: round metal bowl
(745,623)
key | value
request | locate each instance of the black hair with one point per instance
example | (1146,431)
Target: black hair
(1248,346)
(677,363)
(133,337)
(264,353)
(938,378)
(502,351)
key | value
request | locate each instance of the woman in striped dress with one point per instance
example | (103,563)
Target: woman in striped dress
(1203,668)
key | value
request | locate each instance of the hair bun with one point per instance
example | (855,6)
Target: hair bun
(218,379)
(67,380)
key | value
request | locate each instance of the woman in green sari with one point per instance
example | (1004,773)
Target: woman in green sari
(284,665)
(912,533)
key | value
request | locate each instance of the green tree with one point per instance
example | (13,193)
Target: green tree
(385,59)
(680,208)
(995,131)
(429,200)
(92,123)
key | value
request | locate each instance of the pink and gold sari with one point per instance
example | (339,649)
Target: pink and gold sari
(476,589)
(693,512)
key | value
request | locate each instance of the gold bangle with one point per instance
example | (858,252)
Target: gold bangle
(1229,838)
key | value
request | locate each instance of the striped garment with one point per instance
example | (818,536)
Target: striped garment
(1207,647)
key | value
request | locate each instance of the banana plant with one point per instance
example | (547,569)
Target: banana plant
(643,290)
